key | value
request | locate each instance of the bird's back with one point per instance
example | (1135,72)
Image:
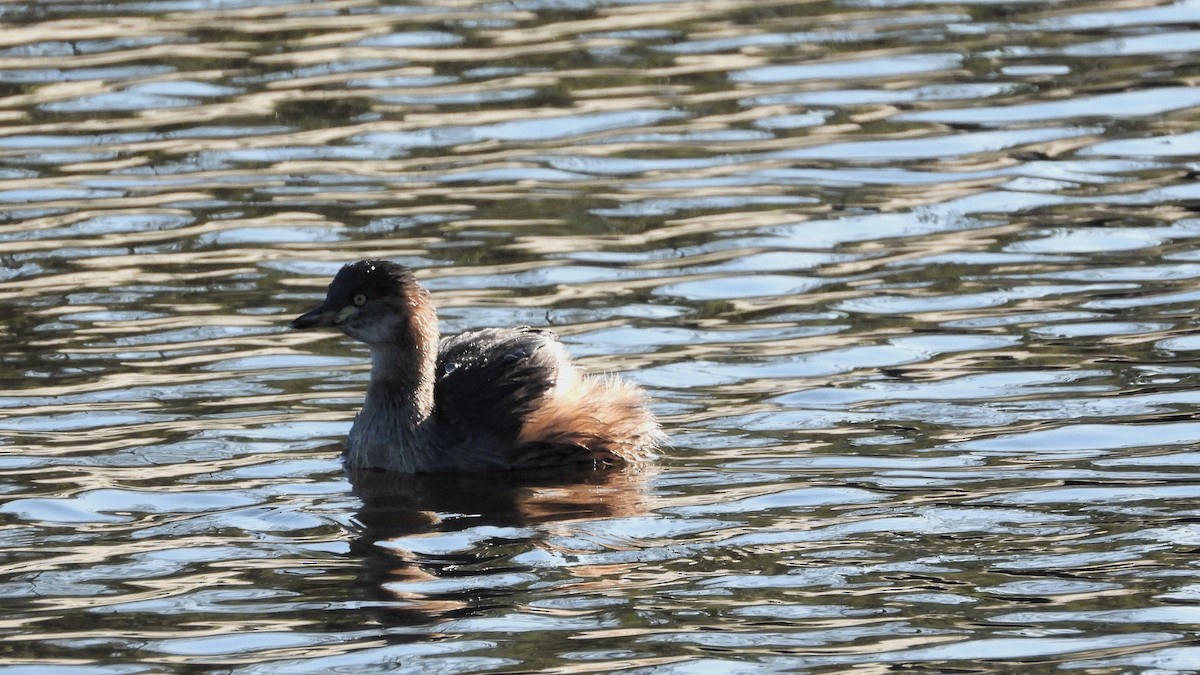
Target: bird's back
(488,379)
(511,398)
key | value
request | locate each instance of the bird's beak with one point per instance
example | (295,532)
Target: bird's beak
(321,317)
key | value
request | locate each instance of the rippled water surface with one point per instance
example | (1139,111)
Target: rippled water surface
(911,284)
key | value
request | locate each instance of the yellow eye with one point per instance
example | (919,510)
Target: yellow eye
(360,300)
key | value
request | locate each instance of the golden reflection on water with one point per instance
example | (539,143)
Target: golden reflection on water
(862,318)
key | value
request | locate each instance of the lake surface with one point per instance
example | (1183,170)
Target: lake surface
(912,285)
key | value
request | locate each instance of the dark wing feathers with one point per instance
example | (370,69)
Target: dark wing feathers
(487,380)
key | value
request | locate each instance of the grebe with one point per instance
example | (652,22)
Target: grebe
(492,399)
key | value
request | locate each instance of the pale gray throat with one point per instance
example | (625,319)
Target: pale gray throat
(394,430)
(402,381)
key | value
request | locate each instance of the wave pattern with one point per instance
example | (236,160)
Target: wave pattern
(911,283)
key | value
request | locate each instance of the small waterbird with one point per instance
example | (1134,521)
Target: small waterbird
(491,399)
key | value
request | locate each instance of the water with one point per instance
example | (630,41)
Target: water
(911,284)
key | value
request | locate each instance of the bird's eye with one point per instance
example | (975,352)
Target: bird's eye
(360,300)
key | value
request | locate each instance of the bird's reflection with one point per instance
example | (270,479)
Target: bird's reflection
(498,517)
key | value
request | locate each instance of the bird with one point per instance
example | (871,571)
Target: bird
(494,399)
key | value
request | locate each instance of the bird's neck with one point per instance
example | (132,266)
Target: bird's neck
(402,376)
(395,428)
(403,366)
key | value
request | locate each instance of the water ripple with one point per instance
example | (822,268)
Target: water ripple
(909,283)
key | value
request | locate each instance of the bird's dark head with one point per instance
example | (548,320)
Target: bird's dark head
(376,302)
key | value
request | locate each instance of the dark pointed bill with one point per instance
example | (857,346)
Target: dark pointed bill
(320,317)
